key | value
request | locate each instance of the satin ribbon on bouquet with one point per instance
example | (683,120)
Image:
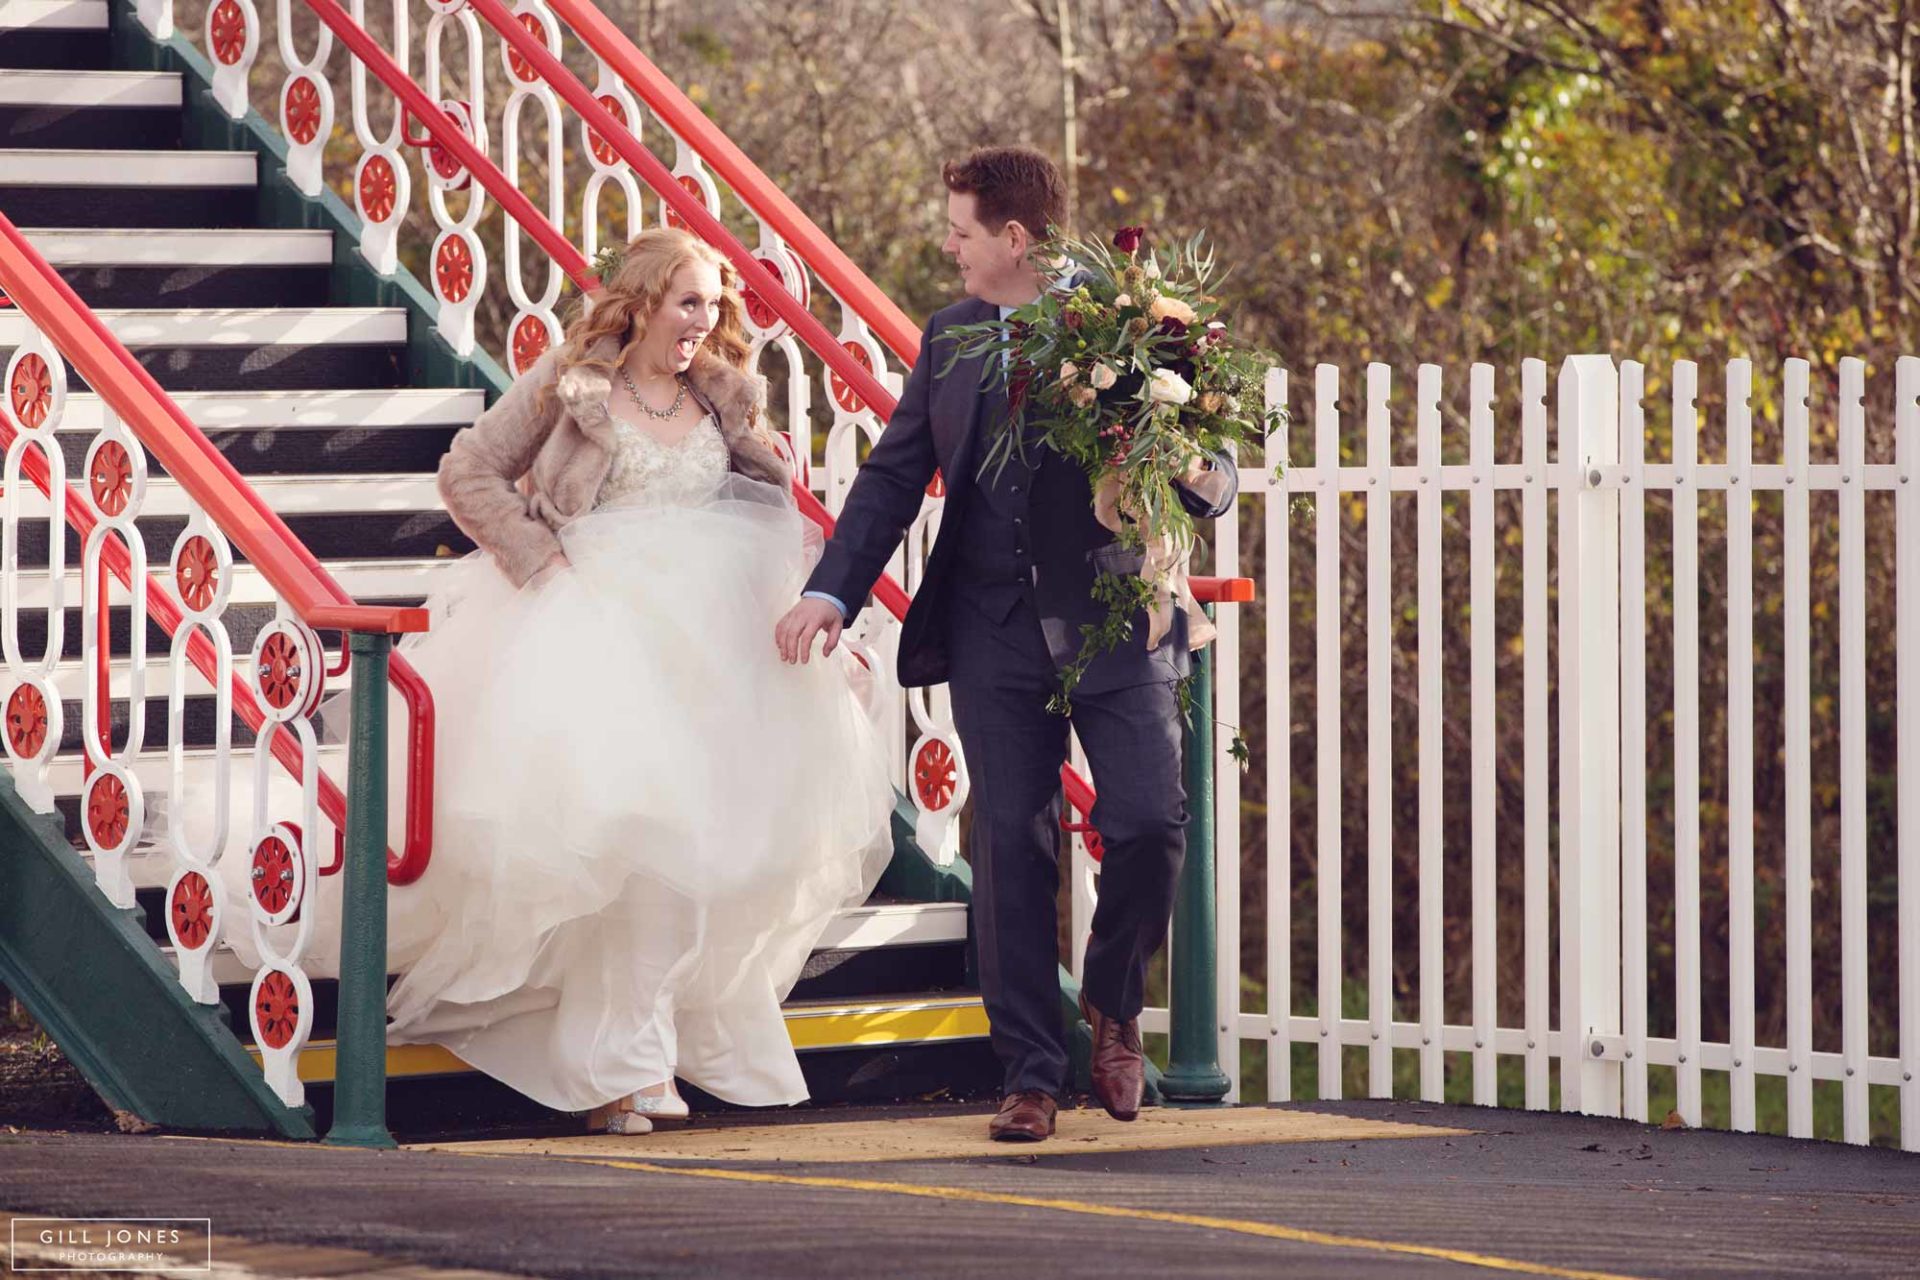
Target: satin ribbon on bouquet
(1165,564)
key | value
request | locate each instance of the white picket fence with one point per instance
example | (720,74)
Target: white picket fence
(1591,495)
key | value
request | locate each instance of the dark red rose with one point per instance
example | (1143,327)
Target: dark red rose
(1127,239)
(1173,328)
(1075,320)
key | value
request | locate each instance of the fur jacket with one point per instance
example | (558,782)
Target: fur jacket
(537,458)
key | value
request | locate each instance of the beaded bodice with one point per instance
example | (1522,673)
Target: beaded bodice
(679,474)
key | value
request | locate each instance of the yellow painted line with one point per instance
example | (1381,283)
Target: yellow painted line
(809,1027)
(1238,1226)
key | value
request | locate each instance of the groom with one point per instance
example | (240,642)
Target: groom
(998,614)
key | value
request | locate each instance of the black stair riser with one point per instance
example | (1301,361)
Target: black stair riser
(350,536)
(42,50)
(198,725)
(47,206)
(184,287)
(274,367)
(839,975)
(300,451)
(122,128)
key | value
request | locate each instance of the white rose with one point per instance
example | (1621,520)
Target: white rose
(1169,387)
(1124,300)
(1102,377)
(1068,372)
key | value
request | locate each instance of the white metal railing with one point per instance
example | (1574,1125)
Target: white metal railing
(822,434)
(1591,496)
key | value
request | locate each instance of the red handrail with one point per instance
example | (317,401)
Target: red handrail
(755,189)
(236,509)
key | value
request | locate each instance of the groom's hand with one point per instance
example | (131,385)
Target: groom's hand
(794,634)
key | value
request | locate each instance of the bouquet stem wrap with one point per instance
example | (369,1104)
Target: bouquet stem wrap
(1165,567)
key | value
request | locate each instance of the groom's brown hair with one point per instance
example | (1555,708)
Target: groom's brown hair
(1010,184)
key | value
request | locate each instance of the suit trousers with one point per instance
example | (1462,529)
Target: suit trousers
(1001,680)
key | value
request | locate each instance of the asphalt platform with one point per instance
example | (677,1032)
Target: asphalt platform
(1347,1190)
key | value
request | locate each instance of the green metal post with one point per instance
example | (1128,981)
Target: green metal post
(1193,1068)
(360,1074)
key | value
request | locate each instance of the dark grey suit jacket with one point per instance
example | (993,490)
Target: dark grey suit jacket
(939,424)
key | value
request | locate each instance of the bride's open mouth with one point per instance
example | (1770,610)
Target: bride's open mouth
(686,347)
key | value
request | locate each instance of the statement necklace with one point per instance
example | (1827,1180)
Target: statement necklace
(672,410)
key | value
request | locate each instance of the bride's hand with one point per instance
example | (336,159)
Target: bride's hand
(794,634)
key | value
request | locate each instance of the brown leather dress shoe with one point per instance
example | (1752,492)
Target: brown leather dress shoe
(1119,1068)
(1023,1117)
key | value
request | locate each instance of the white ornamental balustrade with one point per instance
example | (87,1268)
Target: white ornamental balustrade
(536,324)
(306,104)
(608,167)
(232,40)
(36,400)
(202,565)
(113,805)
(382,180)
(288,678)
(459,270)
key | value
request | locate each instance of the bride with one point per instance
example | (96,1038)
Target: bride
(630,865)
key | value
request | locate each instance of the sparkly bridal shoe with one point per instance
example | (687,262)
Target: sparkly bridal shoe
(665,1105)
(618,1118)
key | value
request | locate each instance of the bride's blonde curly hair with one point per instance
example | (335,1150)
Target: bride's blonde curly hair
(639,285)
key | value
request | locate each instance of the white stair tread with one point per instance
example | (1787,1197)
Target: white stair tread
(53,15)
(267,326)
(169,247)
(215,411)
(895,925)
(55,167)
(88,88)
(362,579)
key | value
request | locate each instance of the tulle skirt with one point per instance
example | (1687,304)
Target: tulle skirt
(643,819)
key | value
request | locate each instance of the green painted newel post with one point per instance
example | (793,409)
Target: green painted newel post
(360,1073)
(1193,1067)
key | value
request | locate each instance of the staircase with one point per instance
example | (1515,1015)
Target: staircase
(248,306)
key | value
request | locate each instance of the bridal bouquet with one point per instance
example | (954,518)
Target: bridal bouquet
(1128,370)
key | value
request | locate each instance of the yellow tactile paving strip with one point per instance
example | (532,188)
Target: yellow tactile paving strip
(953,1137)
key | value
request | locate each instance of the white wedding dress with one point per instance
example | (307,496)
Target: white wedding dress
(643,819)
